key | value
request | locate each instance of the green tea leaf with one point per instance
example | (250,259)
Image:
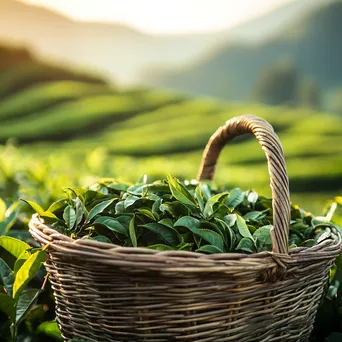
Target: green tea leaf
(27,272)
(265,203)
(13,246)
(242,227)
(175,209)
(101,238)
(36,207)
(156,207)
(169,235)
(26,300)
(9,219)
(124,220)
(147,213)
(112,224)
(58,205)
(262,237)
(299,225)
(209,249)
(205,190)
(220,210)
(136,189)
(294,239)
(158,187)
(132,234)
(166,222)
(212,226)
(20,260)
(99,208)
(236,197)
(7,306)
(188,222)
(209,206)
(69,216)
(3,209)
(251,228)
(50,217)
(193,225)
(246,245)
(50,329)
(161,247)
(130,200)
(180,192)
(119,208)
(118,186)
(230,237)
(142,180)
(199,197)
(76,192)
(198,240)
(298,233)
(80,211)
(185,246)
(254,215)
(91,196)
(39,210)
(7,276)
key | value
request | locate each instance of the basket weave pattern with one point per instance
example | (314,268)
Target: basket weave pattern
(105,292)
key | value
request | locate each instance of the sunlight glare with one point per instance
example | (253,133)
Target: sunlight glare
(163,16)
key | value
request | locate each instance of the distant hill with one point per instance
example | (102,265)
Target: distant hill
(270,24)
(115,50)
(120,52)
(313,43)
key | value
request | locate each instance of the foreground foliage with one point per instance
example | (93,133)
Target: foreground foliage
(171,215)
(82,207)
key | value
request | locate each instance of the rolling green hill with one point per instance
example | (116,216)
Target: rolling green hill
(70,131)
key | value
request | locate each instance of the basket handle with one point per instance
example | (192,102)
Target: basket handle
(271,145)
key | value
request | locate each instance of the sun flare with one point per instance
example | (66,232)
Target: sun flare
(161,16)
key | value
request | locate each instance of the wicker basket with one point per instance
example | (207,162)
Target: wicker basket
(105,292)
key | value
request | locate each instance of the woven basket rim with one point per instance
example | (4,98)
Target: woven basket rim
(42,232)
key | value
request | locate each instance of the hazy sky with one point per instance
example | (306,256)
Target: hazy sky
(165,16)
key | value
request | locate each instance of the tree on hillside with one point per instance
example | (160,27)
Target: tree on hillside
(337,101)
(309,94)
(278,84)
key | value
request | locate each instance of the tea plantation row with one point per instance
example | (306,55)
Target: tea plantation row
(156,132)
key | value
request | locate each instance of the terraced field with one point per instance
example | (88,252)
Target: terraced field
(78,127)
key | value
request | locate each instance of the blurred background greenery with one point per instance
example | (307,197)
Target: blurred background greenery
(84,99)
(62,120)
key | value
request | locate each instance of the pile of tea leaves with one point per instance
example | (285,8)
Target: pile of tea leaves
(173,215)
